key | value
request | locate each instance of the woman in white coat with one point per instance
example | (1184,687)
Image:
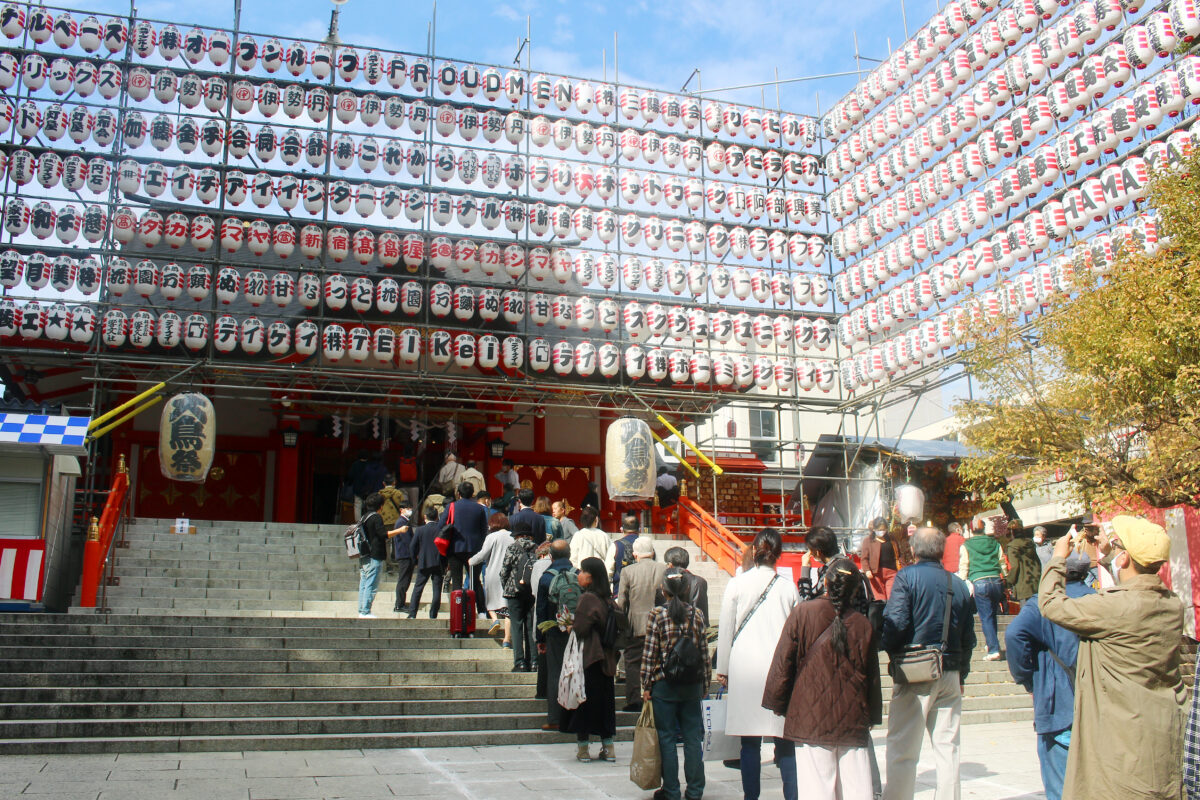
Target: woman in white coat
(495,545)
(756,606)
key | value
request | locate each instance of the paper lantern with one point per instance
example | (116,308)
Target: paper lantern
(657,364)
(187,438)
(512,354)
(307,337)
(225,333)
(279,338)
(629,464)
(409,346)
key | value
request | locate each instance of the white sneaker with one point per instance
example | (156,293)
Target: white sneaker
(367,616)
(992,657)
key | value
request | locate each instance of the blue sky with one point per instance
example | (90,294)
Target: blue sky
(732,42)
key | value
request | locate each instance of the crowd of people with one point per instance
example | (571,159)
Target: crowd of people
(1097,641)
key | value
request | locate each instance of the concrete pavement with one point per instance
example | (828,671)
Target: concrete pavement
(998,763)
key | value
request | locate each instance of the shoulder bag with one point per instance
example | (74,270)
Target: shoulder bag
(757,603)
(924,664)
(442,542)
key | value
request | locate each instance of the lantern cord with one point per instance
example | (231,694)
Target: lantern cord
(678,457)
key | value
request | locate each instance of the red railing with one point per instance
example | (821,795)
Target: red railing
(100,538)
(713,538)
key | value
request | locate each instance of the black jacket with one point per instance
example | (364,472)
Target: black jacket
(424,552)
(536,521)
(376,534)
(915,611)
(471,522)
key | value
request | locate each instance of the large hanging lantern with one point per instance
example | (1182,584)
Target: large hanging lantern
(629,460)
(186,438)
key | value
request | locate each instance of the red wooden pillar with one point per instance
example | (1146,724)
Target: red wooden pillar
(287,470)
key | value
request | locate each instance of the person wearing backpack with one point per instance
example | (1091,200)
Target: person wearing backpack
(553,642)
(675,674)
(372,560)
(516,578)
(636,596)
(620,552)
(596,715)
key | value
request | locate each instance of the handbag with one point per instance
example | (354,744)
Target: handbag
(757,603)
(571,691)
(645,764)
(924,664)
(717,745)
(442,540)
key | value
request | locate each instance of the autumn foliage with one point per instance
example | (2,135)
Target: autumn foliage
(1104,386)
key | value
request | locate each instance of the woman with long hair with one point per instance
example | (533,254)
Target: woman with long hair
(826,646)
(756,606)
(597,715)
(676,697)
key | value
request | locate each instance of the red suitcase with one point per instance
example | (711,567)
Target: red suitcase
(462,609)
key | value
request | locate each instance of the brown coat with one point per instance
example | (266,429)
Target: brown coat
(591,616)
(869,551)
(828,698)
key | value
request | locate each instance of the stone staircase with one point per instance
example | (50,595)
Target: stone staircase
(239,638)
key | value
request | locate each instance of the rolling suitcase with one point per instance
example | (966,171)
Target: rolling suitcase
(462,609)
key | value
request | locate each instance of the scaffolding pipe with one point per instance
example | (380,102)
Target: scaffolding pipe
(671,450)
(707,461)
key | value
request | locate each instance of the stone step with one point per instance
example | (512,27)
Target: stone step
(329,741)
(171,709)
(88,641)
(88,620)
(291,655)
(193,695)
(432,665)
(46,679)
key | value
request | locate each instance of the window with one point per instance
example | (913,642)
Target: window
(764,441)
(21,496)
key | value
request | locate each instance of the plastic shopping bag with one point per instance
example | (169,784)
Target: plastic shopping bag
(571,691)
(645,766)
(717,745)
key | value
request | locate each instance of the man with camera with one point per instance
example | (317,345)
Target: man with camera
(1127,740)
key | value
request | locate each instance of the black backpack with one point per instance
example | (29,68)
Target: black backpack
(618,633)
(525,575)
(684,663)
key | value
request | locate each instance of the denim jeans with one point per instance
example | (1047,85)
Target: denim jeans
(1052,755)
(751,766)
(520,614)
(368,582)
(677,710)
(989,593)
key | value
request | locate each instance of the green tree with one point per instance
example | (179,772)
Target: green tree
(1105,386)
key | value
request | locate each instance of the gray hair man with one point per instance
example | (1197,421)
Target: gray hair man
(914,617)
(637,594)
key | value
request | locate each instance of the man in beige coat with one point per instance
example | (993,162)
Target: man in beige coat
(640,582)
(1127,740)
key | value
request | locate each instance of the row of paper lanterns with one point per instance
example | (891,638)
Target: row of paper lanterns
(1072,92)
(1023,294)
(83,77)
(289,191)
(1111,189)
(957,274)
(211,134)
(145,277)
(1144,108)
(1079,26)
(66,222)
(394,70)
(171,281)
(636,318)
(143,329)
